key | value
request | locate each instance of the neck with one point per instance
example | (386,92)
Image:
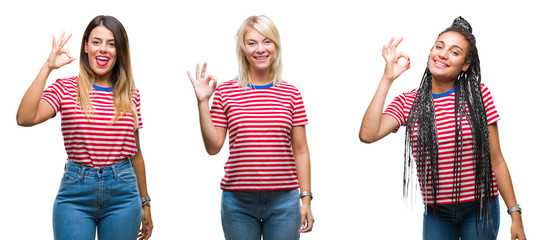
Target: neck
(261,78)
(441,86)
(103,81)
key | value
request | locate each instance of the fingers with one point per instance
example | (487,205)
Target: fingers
(390,43)
(145,231)
(386,48)
(397,43)
(69,57)
(53,41)
(307,224)
(64,40)
(190,77)
(202,75)
(212,78)
(406,57)
(197,71)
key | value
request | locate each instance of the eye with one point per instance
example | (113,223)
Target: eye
(111,44)
(250,43)
(455,53)
(268,41)
(438,47)
(95,43)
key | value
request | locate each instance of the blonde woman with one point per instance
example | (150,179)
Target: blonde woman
(269,157)
(104,183)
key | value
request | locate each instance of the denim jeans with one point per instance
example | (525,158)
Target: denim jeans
(248,215)
(104,198)
(444,226)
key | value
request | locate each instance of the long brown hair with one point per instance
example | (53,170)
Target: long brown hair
(121,75)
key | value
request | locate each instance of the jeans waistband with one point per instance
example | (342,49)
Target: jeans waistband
(89,171)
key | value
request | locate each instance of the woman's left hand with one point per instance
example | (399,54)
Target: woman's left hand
(517,230)
(306,219)
(147,225)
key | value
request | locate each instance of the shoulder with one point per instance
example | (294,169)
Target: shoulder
(229,84)
(409,95)
(135,93)
(64,84)
(70,81)
(287,87)
(484,87)
(486,94)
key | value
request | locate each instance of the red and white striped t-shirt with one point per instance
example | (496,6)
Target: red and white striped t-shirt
(93,142)
(445,120)
(259,121)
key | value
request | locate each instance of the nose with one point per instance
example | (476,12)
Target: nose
(260,48)
(443,54)
(103,47)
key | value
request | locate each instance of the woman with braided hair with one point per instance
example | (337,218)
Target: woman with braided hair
(452,135)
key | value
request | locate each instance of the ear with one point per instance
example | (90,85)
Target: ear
(86,46)
(466,65)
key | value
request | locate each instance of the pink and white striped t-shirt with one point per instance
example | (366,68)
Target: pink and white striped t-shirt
(94,142)
(259,121)
(445,120)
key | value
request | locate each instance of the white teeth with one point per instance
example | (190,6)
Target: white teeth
(440,64)
(102,58)
(260,58)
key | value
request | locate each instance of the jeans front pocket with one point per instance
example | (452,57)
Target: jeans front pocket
(69,177)
(126,175)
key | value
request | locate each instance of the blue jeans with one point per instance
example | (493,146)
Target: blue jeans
(105,198)
(444,226)
(247,215)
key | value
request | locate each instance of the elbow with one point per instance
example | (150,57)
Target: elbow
(21,122)
(212,152)
(366,139)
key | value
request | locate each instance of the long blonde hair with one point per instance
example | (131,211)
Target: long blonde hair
(267,28)
(121,76)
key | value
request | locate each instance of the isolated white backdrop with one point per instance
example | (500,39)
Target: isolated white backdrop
(331,52)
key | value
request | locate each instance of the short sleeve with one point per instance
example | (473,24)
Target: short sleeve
(299,115)
(218,116)
(136,101)
(396,109)
(489,105)
(53,94)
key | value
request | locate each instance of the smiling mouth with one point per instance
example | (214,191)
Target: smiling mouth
(102,61)
(440,64)
(261,57)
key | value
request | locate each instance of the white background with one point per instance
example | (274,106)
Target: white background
(331,52)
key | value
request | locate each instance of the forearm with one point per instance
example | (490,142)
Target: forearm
(504,184)
(29,106)
(303,169)
(140,171)
(370,130)
(505,187)
(211,138)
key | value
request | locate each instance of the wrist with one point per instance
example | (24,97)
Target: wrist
(203,102)
(516,216)
(514,209)
(145,201)
(306,197)
(47,67)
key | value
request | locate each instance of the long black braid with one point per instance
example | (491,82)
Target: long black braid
(422,123)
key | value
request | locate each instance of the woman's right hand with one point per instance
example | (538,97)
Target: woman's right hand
(393,68)
(202,87)
(55,60)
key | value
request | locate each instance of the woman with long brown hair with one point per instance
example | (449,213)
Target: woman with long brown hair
(103,188)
